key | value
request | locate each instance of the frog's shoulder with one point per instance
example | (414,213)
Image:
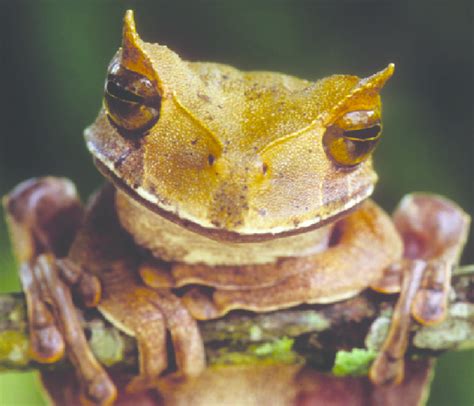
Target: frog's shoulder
(101,240)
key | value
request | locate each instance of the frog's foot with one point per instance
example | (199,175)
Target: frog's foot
(156,275)
(55,324)
(47,286)
(388,367)
(43,215)
(147,314)
(434,231)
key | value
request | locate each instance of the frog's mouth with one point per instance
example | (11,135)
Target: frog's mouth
(220,234)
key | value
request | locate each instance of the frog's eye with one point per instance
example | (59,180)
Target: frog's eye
(349,142)
(132,101)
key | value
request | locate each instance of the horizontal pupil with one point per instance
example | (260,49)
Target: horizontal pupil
(119,92)
(363,134)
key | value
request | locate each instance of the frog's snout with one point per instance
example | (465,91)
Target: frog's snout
(229,204)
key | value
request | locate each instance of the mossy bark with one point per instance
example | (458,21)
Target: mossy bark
(308,334)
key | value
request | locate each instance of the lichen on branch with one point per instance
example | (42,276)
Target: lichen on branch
(305,334)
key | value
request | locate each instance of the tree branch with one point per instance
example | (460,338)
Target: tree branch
(308,333)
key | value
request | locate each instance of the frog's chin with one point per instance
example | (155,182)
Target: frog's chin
(220,234)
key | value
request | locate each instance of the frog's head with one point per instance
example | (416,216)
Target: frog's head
(230,154)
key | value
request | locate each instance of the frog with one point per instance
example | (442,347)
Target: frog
(225,190)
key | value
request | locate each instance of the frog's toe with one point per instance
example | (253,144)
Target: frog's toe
(84,284)
(185,335)
(46,344)
(99,391)
(200,304)
(431,300)
(387,369)
(156,276)
(429,307)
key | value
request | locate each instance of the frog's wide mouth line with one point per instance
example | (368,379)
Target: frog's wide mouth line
(222,234)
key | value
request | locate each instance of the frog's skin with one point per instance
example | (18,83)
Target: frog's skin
(250,186)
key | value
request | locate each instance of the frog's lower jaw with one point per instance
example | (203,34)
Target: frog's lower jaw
(174,243)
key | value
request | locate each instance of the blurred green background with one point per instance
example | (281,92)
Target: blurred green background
(54,56)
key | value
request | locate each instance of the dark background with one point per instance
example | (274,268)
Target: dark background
(54,55)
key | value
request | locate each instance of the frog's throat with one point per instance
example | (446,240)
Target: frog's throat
(223,234)
(173,243)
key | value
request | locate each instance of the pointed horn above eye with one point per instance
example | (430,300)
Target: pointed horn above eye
(364,95)
(378,80)
(130,37)
(134,56)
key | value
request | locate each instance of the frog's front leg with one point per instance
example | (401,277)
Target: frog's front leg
(147,314)
(43,216)
(434,231)
(364,243)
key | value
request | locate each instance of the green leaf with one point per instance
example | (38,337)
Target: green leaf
(355,362)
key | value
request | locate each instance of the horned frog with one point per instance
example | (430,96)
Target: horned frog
(226,190)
